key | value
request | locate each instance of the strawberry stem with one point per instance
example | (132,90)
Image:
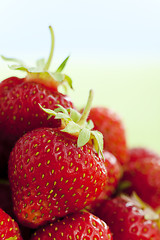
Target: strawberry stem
(86,110)
(46,67)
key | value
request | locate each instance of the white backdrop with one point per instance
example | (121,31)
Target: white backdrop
(114,48)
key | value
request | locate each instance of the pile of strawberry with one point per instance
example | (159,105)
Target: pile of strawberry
(69,174)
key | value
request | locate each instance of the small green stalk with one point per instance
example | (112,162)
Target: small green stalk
(74,123)
(86,110)
(47,65)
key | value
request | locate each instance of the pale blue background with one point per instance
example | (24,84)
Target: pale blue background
(114,48)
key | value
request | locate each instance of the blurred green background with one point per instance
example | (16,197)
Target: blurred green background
(114,49)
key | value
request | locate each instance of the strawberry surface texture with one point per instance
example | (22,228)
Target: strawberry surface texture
(111,126)
(20,98)
(68,174)
(81,225)
(9,229)
(114,171)
(20,110)
(137,153)
(50,177)
(143,174)
(127,221)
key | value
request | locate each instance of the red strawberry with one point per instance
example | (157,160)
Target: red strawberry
(111,126)
(19,109)
(81,225)
(114,174)
(143,173)
(53,172)
(128,221)
(6,205)
(135,154)
(9,229)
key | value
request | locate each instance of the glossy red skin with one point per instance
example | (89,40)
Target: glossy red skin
(72,178)
(8,227)
(19,107)
(138,153)
(21,113)
(144,176)
(81,225)
(126,221)
(114,170)
(6,205)
(112,128)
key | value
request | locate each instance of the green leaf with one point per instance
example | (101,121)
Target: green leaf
(98,140)
(75,116)
(61,109)
(19,67)
(84,137)
(12,60)
(47,110)
(63,64)
(62,116)
(71,128)
(70,123)
(90,124)
(59,77)
(68,80)
(40,63)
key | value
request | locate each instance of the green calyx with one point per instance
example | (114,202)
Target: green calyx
(74,123)
(41,70)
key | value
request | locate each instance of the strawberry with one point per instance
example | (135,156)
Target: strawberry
(81,225)
(54,172)
(127,220)
(142,172)
(9,229)
(136,153)
(6,205)
(114,174)
(111,126)
(20,97)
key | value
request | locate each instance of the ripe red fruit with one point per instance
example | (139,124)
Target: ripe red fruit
(6,205)
(111,126)
(81,225)
(54,172)
(128,221)
(137,153)
(144,177)
(19,107)
(50,177)
(19,99)
(8,227)
(114,171)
